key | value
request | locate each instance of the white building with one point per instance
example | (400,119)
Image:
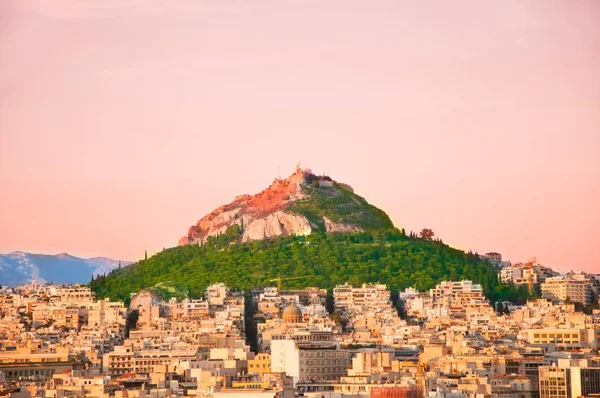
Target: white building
(216,294)
(409,292)
(529,273)
(308,355)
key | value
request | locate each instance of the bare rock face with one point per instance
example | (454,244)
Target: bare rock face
(273,212)
(143,299)
(276,224)
(260,216)
(336,227)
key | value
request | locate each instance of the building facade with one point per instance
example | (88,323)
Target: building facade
(573,382)
(575,287)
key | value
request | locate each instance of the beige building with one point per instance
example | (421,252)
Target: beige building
(368,296)
(26,363)
(124,360)
(576,287)
(457,300)
(564,339)
(74,294)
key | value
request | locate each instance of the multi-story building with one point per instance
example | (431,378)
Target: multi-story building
(409,292)
(568,382)
(216,294)
(456,299)
(308,355)
(576,287)
(196,308)
(530,273)
(371,296)
(562,339)
(25,363)
(494,259)
(125,359)
(74,293)
(261,364)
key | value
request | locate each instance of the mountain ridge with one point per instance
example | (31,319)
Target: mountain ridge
(19,267)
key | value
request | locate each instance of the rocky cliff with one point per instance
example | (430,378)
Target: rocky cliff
(300,204)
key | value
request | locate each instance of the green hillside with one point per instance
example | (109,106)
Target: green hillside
(386,256)
(340,206)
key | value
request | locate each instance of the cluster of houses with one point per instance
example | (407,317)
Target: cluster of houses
(60,341)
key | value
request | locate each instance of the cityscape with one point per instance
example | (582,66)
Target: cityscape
(299,199)
(355,341)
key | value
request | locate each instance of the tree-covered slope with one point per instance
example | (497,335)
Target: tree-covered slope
(340,206)
(325,260)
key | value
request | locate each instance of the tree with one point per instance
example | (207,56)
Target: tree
(360,257)
(426,234)
(131,322)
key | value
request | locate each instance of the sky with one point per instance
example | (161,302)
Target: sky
(123,122)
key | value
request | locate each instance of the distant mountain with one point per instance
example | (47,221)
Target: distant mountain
(298,205)
(19,268)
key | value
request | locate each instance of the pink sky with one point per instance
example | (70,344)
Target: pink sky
(122,122)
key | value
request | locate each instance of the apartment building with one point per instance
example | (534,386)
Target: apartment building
(456,299)
(574,286)
(408,293)
(261,364)
(73,293)
(124,359)
(309,356)
(568,382)
(216,294)
(529,273)
(495,259)
(372,296)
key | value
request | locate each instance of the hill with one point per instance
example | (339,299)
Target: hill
(19,268)
(325,260)
(298,205)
